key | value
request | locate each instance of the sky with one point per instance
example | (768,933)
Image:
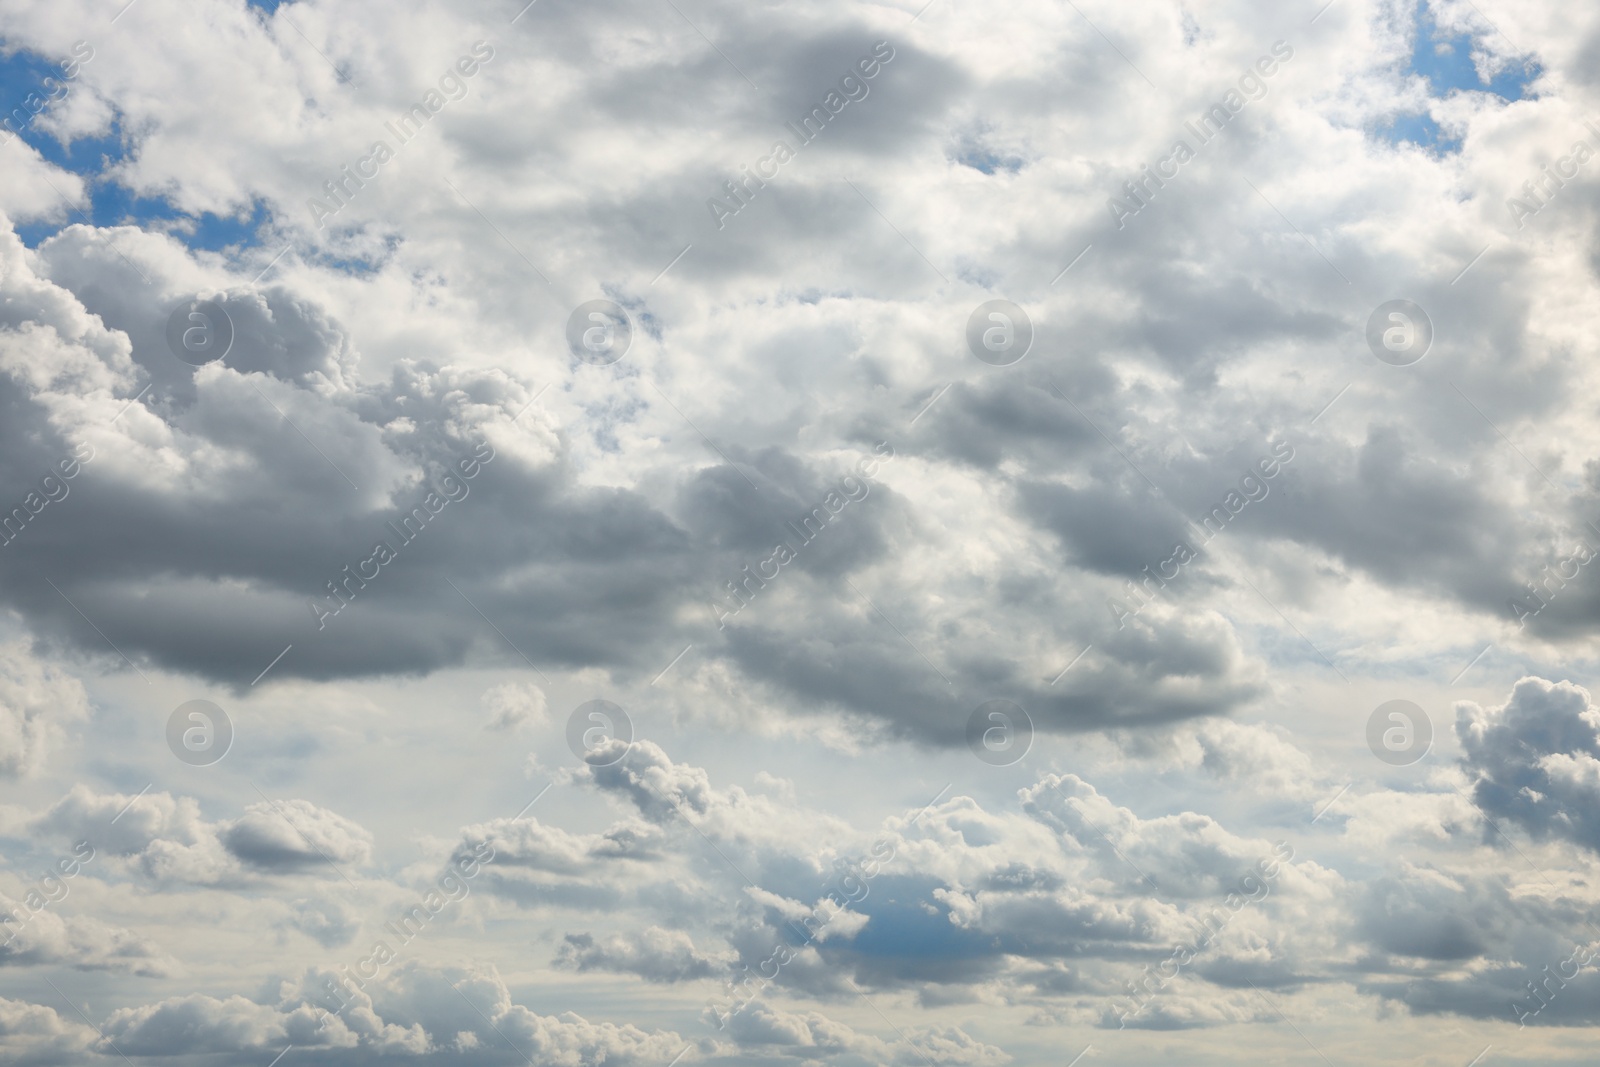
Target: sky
(655,532)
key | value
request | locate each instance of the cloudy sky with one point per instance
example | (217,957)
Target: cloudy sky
(882,533)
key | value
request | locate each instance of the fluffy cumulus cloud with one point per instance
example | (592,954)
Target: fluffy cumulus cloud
(411,1015)
(1536,760)
(166,838)
(862,534)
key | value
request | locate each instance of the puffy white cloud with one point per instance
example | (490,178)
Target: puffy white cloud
(38,703)
(40,935)
(415,1011)
(166,838)
(36,1034)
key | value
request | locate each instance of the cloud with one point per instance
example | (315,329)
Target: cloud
(46,936)
(294,834)
(34,1034)
(656,955)
(198,1024)
(38,702)
(1535,760)
(812,1034)
(166,839)
(513,704)
(418,1010)
(223,532)
(325,921)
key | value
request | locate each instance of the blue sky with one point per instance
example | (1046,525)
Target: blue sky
(24,73)
(1445,60)
(1261,307)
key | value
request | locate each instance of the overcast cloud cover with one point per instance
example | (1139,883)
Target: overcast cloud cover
(1189,658)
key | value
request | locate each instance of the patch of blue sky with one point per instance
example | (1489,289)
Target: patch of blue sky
(29,85)
(1445,61)
(113,204)
(358,265)
(987,161)
(26,92)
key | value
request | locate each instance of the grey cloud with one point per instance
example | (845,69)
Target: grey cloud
(410,1013)
(324,920)
(1431,920)
(167,839)
(37,704)
(85,943)
(656,955)
(1535,760)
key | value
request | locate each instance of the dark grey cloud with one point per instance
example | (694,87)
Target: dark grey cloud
(1535,761)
